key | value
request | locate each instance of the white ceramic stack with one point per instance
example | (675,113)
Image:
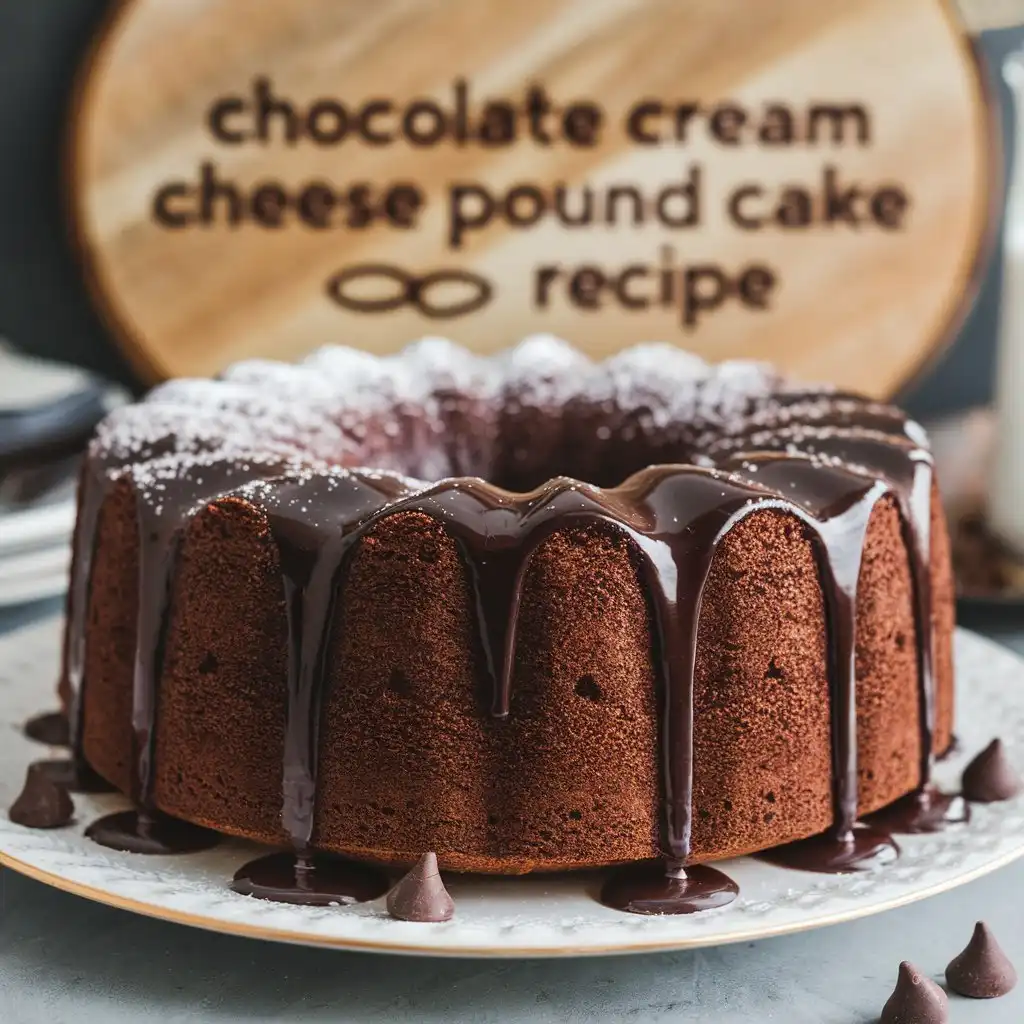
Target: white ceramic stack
(35,552)
(36,528)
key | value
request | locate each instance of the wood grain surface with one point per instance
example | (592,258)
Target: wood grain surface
(864,305)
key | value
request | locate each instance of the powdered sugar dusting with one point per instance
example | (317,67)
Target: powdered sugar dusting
(252,423)
(543,370)
(349,371)
(154,481)
(731,387)
(437,364)
(436,409)
(659,382)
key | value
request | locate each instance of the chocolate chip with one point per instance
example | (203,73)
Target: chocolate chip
(915,1000)
(42,803)
(51,728)
(990,776)
(421,895)
(982,970)
(61,772)
(72,776)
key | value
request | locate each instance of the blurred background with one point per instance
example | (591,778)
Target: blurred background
(46,310)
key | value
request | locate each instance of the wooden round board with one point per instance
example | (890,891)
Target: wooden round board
(807,181)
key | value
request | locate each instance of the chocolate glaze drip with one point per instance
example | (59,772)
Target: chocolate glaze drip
(675,514)
(163,512)
(666,888)
(498,531)
(836,852)
(313,881)
(311,546)
(93,486)
(164,509)
(150,834)
(829,473)
(926,810)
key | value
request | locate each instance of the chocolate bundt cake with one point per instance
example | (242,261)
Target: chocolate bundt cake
(299,614)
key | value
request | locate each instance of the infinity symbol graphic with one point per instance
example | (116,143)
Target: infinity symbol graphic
(409,290)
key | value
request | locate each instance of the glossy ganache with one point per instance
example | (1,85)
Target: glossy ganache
(675,479)
(309,880)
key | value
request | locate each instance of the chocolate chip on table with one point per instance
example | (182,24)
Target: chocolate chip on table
(915,1000)
(982,970)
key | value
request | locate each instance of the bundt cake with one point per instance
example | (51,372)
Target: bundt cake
(694,611)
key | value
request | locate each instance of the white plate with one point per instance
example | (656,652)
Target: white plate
(33,575)
(25,590)
(37,562)
(512,917)
(37,526)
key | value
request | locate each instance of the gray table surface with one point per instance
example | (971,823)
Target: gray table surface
(63,958)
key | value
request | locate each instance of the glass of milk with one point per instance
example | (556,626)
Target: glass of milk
(1006,490)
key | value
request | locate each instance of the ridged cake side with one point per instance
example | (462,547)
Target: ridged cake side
(411,757)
